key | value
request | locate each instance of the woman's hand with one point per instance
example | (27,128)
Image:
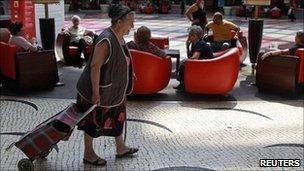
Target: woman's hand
(33,41)
(265,55)
(95,98)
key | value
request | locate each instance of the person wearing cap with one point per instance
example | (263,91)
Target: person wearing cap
(199,50)
(105,81)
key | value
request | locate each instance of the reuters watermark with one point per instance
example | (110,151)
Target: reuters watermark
(280,163)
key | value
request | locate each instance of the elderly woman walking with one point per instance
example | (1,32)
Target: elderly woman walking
(105,81)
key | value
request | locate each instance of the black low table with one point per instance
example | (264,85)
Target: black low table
(174,53)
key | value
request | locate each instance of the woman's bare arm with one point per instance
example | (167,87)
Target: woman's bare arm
(189,12)
(275,53)
(195,55)
(100,55)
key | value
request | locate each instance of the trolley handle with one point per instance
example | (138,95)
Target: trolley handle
(88,111)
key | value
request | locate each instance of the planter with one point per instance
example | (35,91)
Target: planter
(227,10)
(66,8)
(104,8)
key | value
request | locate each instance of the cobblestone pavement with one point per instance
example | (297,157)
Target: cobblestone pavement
(210,135)
(200,135)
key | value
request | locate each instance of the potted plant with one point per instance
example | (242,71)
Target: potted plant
(104,6)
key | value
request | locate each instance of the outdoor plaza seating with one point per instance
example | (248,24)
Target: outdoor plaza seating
(212,76)
(238,41)
(152,73)
(70,53)
(27,70)
(282,74)
(161,42)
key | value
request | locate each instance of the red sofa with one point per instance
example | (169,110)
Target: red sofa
(282,74)
(152,73)
(212,76)
(25,70)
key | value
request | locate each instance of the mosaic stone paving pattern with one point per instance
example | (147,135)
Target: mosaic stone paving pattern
(205,135)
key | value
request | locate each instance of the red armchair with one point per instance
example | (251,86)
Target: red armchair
(149,10)
(70,53)
(28,70)
(212,76)
(282,74)
(8,61)
(238,41)
(152,73)
(160,42)
(275,13)
(300,54)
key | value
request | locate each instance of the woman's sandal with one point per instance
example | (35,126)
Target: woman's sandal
(128,153)
(96,162)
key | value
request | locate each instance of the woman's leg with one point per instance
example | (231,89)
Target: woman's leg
(120,144)
(89,153)
(121,148)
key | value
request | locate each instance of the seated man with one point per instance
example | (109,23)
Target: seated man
(5,35)
(221,32)
(199,50)
(299,43)
(80,36)
(18,39)
(142,42)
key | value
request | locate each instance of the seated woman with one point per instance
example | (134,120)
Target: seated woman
(299,43)
(80,36)
(18,39)
(199,50)
(142,42)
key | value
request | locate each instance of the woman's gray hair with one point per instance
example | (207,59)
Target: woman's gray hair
(300,35)
(195,30)
(75,17)
(119,12)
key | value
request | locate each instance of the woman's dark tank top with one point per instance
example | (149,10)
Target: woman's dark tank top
(200,14)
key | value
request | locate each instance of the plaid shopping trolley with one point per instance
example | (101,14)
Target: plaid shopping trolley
(39,142)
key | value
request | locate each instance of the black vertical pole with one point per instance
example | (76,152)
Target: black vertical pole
(47,30)
(255,39)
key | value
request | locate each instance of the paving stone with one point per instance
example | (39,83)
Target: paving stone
(206,138)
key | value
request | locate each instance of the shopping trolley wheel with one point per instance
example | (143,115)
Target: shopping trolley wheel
(43,155)
(25,165)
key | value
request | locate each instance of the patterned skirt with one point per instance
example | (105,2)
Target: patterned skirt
(102,121)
